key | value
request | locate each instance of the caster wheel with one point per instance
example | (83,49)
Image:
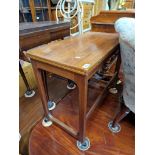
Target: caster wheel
(83,146)
(46,122)
(113,90)
(119,82)
(98,77)
(51,105)
(30,93)
(115,129)
(19,136)
(71,85)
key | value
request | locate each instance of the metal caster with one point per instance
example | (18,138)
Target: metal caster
(113,90)
(29,93)
(19,136)
(83,146)
(51,105)
(71,85)
(98,77)
(46,122)
(115,129)
(119,82)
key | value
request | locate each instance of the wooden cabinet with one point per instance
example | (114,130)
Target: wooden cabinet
(104,22)
(24,11)
(34,10)
(44,10)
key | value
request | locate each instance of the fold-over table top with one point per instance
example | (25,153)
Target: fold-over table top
(78,54)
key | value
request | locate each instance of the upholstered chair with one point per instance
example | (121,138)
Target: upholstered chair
(126,30)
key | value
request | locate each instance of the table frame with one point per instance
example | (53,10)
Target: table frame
(82,83)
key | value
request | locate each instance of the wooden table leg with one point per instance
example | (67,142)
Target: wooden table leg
(83,142)
(29,92)
(82,109)
(41,86)
(51,104)
(44,77)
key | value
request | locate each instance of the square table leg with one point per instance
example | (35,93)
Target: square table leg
(44,77)
(82,82)
(83,91)
(39,74)
(51,104)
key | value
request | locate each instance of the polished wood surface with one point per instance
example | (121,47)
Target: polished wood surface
(73,53)
(54,141)
(104,22)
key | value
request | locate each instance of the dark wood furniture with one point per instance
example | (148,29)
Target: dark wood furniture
(77,59)
(104,22)
(38,33)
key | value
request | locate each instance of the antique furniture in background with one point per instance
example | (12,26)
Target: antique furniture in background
(129,4)
(35,34)
(88,12)
(99,6)
(121,4)
(93,50)
(34,10)
(104,22)
(126,29)
(45,10)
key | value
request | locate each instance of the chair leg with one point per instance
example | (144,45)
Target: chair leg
(123,112)
(29,92)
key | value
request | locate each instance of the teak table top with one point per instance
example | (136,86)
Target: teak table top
(77,54)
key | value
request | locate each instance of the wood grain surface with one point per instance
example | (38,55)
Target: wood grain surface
(76,52)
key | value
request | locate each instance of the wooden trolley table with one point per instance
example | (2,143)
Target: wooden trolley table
(77,59)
